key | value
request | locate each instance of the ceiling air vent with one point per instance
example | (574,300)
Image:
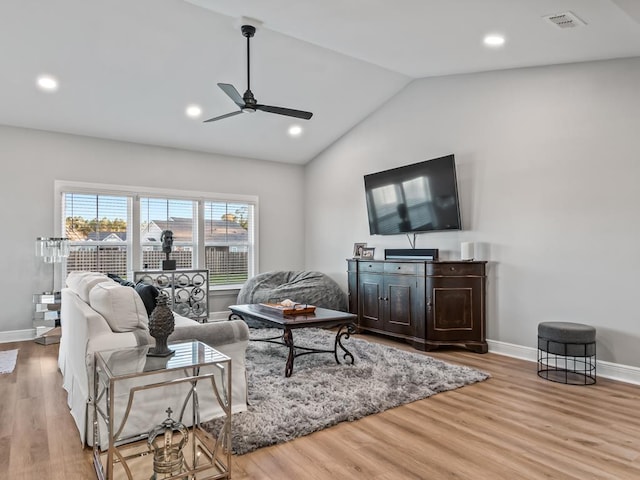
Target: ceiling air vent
(564,20)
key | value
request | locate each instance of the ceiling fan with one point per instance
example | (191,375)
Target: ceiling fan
(247,102)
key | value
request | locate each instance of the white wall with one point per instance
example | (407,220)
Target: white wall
(33,160)
(548,163)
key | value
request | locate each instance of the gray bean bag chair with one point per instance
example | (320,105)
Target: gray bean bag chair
(314,288)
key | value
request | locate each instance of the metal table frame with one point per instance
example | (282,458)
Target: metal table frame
(107,372)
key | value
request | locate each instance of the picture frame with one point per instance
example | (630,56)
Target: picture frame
(357,249)
(368,252)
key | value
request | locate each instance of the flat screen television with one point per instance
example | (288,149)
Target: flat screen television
(416,198)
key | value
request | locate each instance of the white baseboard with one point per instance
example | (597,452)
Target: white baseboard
(613,371)
(17,335)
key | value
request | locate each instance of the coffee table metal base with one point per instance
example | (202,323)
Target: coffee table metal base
(344,332)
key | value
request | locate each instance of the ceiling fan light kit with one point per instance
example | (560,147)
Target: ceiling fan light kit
(247,103)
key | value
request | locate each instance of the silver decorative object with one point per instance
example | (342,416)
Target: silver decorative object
(161,324)
(166,442)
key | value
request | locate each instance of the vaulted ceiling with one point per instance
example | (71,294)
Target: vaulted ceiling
(128,69)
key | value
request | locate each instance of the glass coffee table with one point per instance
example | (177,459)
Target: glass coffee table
(320,318)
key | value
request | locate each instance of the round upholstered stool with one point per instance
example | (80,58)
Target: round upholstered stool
(567,352)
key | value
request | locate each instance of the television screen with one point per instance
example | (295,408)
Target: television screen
(420,197)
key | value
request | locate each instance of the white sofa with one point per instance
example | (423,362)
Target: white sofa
(99,314)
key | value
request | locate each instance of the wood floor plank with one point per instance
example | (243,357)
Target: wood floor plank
(513,426)
(5,451)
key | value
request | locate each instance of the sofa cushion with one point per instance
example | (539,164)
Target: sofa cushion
(148,293)
(120,306)
(82,282)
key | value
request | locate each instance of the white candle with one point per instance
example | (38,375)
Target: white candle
(466,251)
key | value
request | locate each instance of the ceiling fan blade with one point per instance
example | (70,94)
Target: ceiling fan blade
(223,116)
(233,93)
(290,112)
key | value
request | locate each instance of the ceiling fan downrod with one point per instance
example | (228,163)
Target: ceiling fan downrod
(248,31)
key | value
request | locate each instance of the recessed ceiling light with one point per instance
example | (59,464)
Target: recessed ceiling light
(194,111)
(494,40)
(295,130)
(47,83)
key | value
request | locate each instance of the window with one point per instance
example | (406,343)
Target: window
(119,229)
(228,241)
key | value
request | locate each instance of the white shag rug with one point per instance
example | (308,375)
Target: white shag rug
(8,361)
(321,393)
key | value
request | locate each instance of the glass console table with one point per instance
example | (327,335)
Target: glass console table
(206,454)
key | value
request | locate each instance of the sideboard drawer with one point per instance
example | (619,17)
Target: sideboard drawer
(377,267)
(461,269)
(405,268)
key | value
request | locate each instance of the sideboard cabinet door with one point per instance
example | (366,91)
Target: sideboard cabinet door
(399,304)
(370,306)
(456,306)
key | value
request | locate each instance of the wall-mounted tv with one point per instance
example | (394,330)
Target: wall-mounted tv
(416,198)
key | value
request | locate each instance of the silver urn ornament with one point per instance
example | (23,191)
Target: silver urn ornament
(161,325)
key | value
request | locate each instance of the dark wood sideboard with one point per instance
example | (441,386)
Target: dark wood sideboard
(427,303)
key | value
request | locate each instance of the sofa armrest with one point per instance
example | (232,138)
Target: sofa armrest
(213,334)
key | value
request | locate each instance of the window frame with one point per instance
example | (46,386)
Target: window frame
(134,260)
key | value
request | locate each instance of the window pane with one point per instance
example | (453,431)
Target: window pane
(152,257)
(227,265)
(95,217)
(96,226)
(105,259)
(227,236)
(158,215)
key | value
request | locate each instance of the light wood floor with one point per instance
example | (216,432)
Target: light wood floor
(512,426)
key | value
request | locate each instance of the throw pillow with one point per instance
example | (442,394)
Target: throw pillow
(120,306)
(148,294)
(120,280)
(82,282)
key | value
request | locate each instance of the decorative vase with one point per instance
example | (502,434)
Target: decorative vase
(161,324)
